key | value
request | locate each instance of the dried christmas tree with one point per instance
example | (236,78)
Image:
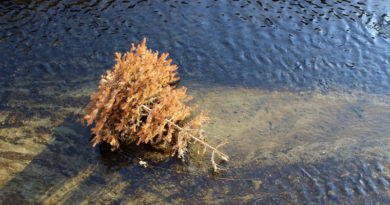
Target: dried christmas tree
(139,102)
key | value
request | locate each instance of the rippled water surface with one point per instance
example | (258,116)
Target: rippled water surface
(299,90)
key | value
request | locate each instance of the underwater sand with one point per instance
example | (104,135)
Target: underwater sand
(326,145)
(291,147)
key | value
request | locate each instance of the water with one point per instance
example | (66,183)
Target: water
(298,89)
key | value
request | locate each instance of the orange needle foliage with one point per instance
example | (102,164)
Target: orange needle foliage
(138,102)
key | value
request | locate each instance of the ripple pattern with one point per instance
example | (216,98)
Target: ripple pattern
(274,44)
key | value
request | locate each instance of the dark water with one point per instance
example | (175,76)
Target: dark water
(299,44)
(52,54)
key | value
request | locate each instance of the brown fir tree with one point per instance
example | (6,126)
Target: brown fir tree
(139,102)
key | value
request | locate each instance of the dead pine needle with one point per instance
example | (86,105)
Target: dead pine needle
(214,149)
(138,102)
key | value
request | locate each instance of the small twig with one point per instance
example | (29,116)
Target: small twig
(222,155)
(215,166)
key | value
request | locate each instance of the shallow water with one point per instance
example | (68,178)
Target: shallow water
(299,90)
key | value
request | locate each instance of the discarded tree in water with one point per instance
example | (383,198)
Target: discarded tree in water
(138,102)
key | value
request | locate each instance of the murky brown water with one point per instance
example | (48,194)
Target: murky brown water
(298,89)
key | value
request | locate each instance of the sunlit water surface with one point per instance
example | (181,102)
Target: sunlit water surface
(299,90)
